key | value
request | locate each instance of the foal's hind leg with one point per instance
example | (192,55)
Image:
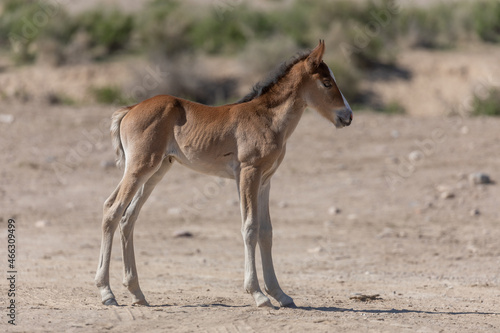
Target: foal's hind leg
(130,277)
(114,207)
(271,284)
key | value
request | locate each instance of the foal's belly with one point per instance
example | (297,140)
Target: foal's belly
(206,163)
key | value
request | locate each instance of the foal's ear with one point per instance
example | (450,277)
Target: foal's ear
(315,57)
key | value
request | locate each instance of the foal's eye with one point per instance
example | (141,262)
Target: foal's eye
(327,84)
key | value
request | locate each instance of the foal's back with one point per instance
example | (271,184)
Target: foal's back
(203,138)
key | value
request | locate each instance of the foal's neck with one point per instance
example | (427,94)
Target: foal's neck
(285,106)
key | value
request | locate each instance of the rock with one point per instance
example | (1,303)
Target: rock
(445,192)
(464,130)
(475,212)
(41,223)
(334,210)
(477,178)
(6,118)
(395,134)
(282,204)
(447,195)
(182,233)
(365,298)
(317,249)
(471,248)
(415,156)
(402,234)
(443,188)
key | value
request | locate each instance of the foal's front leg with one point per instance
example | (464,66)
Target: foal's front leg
(271,284)
(249,183)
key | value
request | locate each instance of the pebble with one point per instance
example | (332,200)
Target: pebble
(447,195)
(317,249)
(464,130)
(334,210)
(471,248)
(283,204)
(415,156)
(41,223)
(182,233)
(475,212)
(479,178)
(443,188)
(395,134)
(6,118)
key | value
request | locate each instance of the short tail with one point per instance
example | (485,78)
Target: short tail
(116,120)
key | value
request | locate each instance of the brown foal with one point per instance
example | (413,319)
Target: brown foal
(244,141)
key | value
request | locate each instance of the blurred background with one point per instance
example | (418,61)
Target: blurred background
(402,204)
(416,57)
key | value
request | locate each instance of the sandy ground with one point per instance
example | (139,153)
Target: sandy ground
(432,262)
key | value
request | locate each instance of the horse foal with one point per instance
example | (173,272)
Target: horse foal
(244,141)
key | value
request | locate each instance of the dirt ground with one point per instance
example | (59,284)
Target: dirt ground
(382,207)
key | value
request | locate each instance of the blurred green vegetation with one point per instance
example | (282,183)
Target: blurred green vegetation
(359,35)
(370,28)
(393,107)
(17,30)
(110,95)
(487,20)
(487,105)
(110,29)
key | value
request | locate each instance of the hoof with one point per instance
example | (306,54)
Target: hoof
(110,301)
(290,305)
(141,302)
(266,304)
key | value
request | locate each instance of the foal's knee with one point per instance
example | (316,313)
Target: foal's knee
(109,202)
(111,217)
(250,231)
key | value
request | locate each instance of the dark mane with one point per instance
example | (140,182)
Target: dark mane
(264,86)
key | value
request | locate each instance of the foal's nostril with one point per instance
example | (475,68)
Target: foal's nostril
(349,121)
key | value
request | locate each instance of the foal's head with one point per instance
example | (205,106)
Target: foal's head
(321,92)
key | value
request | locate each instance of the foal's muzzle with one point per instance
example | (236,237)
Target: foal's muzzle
(344,118)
